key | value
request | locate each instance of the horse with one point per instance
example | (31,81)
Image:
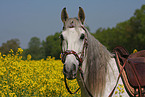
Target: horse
(86,59)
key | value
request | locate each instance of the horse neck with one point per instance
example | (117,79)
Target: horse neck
(96,66)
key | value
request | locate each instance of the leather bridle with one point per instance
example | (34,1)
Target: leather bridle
(80,59)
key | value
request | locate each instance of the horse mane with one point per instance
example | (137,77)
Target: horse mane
(97,59)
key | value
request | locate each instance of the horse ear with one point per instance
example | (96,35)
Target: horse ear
(64,15)
(81,15)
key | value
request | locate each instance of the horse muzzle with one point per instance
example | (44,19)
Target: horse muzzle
(71,74)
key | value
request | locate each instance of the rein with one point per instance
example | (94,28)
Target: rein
(82,78)
(80,59)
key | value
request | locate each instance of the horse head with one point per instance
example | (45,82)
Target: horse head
(73,41)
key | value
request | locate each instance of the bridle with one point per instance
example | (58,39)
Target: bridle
(80,59)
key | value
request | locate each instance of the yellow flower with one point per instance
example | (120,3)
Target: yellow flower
(60,56)
(11,51)
(116,92)
(1,73)
(122,86)
(122,91)
(11,94)
(48,58)
(29,57)
(53,58)
(135,50)
(20,50)
(118,88)
(15,96)
(33,78)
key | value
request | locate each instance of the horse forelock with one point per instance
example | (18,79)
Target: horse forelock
(72,23)
(98,58)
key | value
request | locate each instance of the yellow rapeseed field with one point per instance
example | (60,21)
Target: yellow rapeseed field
(29,78)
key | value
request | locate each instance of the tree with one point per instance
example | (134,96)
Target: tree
(52,46)
(129,34)
(35,49)
(13,44)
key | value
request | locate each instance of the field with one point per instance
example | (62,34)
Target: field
(29,78)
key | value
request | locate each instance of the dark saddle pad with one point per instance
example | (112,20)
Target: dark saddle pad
(135,66)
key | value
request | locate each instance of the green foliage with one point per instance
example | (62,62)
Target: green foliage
(34,43)
(52,46)
(129,34)
(35,49)
(10,44)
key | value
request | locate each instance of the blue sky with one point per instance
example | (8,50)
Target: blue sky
(24,19)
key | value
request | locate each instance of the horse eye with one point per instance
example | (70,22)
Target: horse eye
(61,37)
(82,36)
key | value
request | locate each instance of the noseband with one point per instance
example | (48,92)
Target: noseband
(68,52)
